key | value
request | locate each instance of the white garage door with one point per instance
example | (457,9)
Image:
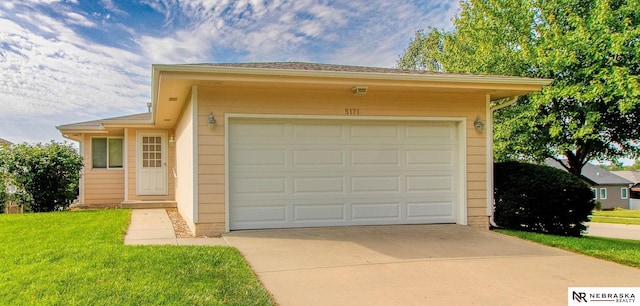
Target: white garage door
(303,173)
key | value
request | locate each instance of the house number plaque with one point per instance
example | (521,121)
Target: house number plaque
(352,111)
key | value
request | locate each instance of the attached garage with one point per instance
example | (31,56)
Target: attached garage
(295,172)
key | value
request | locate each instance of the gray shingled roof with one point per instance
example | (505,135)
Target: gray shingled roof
(96,124)
(314,67)
(633,176)
(335,68)
(594,174)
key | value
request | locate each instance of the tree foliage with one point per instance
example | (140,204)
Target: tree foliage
(591,48)
(46,176)
(618,166)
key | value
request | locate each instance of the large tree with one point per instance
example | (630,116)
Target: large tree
(591,48)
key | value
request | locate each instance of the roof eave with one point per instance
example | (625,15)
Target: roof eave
(458,78)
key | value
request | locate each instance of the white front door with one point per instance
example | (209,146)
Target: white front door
(152,164)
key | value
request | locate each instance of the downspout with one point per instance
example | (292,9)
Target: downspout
(490,208)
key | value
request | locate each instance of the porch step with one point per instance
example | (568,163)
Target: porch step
(148,204)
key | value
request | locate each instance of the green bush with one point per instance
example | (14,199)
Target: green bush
(540,199)
(46,175)
(3,193)
(598,205)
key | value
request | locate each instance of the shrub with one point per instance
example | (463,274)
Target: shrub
(598,205)
(3,193)
(541,199)
(46,176)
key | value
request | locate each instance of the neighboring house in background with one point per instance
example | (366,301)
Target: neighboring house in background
(609,189)
(5,142)
(634,177)
(279,145)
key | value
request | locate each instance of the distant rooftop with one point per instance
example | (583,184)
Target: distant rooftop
(594,174)
(633,176)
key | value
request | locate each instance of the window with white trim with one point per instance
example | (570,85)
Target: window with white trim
(603,193)
(624,193)
(595,193)
(106,153)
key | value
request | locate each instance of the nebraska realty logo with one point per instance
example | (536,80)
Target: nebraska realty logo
(603,296)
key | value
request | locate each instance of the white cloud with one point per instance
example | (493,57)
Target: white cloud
(112,7)
(56,71)
(75,18)
(183,47)
(355,31)
(51,74)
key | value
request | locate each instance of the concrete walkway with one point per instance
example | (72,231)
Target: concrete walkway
(153,227)
(609,230)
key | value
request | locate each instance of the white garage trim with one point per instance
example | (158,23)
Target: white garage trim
(460,123)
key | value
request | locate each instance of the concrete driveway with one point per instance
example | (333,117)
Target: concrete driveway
(622,231)
(418,265)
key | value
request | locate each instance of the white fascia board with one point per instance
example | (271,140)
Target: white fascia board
(458,78)
(155,88)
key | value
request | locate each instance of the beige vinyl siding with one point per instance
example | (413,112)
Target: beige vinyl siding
(132,158)
(310,101)
(102,187)
(184,150)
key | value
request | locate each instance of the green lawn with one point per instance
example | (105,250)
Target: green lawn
(77,258)
(626,252)
(617,216)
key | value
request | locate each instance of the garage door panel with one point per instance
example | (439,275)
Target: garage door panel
(322,185)
(374,157)
(259,213)
(341,172)
(430,210)
(422,183)
(323,130)
(374,131)
(442,157)
(389,211)
(320,213)
(259,186)
(443,132)
(258,131)
(373,184)
(318,157)
(254,157)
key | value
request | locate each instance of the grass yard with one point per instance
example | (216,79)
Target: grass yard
(77,258)
(626,252)
(617,216)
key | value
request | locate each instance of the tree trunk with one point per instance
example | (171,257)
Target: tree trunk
(575,162)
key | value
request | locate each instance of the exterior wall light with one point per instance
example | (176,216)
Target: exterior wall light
(172,141)
(359,90)
(478,124)
(212,120)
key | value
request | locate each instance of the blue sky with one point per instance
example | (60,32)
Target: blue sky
(65,61)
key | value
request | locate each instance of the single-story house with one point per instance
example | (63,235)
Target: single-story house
(280,145)
(634,194)
(609,189)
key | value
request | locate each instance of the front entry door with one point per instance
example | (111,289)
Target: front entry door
(152,164)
